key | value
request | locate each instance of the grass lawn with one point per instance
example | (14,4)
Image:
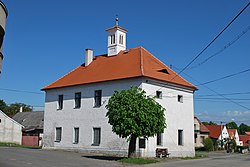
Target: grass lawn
(5,144)
(138,160)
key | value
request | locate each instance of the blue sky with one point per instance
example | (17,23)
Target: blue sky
(46,39)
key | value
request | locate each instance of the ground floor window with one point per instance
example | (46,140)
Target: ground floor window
(58,134)
(180,137)
(159,139)
(97,136)
(76,135)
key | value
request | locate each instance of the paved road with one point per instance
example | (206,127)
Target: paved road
(21,157)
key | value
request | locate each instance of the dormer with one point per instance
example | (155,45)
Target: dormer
(116,39)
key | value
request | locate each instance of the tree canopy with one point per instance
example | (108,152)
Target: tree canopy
(209,123)
(232,125)
(132,114)
(243,128)
(14,108)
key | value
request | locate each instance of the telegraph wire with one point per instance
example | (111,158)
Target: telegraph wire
(228,76)
(236,103)
(226,94)
(21,91)
(222,49)
(211,41)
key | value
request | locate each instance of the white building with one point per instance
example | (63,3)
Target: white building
(10,130)
(75,104)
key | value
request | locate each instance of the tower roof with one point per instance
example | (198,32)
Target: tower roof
(136,62)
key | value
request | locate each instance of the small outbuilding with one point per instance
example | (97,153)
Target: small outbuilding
(10,130)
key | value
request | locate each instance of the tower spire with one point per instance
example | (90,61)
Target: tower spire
(116,20)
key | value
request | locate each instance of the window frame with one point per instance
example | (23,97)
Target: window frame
(76,135)
(158,94)
(60,102)
(180,98)
(121,39)
(78,97)
(159,139)
(112,39)
(58,135)
(98,98)
(180,137)
(96,139)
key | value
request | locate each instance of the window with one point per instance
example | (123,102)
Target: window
(121,39)
(112,39)
(98,98)
(159,139)
(195,138)
(97,136)
(76,135)
(180,137)
(180,98)
(78,100)
(142,143)
(60,102)
(58,134)
(159,94)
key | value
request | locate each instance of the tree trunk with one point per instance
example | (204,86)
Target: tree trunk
(132,146)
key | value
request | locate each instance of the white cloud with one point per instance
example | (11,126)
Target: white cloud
(226,116)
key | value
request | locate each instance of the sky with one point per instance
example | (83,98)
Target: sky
(46,39)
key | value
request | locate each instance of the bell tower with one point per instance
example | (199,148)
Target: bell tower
(116,39)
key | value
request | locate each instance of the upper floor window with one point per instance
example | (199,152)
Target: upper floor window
(60,102)
(159,94)
(112,39)
(98,98)
(121,39)
(180,98)
(78,99)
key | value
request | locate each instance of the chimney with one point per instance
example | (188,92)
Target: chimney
(88,57)
(21,109)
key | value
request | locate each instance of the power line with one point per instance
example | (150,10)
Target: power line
(211,42)
(226,94)
(21,91)
(219,93)
(228,76)
(222,49)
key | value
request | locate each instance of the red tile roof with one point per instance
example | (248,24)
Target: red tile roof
(231,132)
(245,139)
(203,128)
(247,133)
(215,130)
(136,62)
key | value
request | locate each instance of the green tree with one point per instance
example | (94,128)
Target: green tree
(243,128)
(232,125)
(208,144)
(132,114)
(12,109)
(3,105)
(209,123)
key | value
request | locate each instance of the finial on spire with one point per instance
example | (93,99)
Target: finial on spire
(116,20)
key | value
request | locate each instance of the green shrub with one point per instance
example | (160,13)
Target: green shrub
(208,144)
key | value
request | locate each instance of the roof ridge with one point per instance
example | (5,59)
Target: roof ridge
(142,70)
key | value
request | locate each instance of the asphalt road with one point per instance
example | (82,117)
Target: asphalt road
(22,157)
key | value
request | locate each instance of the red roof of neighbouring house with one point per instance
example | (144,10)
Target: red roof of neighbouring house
(245,139)
(247,133)
(215,130)
(231,132)
(203,128)
(136,62)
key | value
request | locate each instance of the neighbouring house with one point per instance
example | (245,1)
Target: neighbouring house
(32,127)
(75,113)
(10,130)
(218,133)
(3,16)
(201,132)
(233,134)
(245,139)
